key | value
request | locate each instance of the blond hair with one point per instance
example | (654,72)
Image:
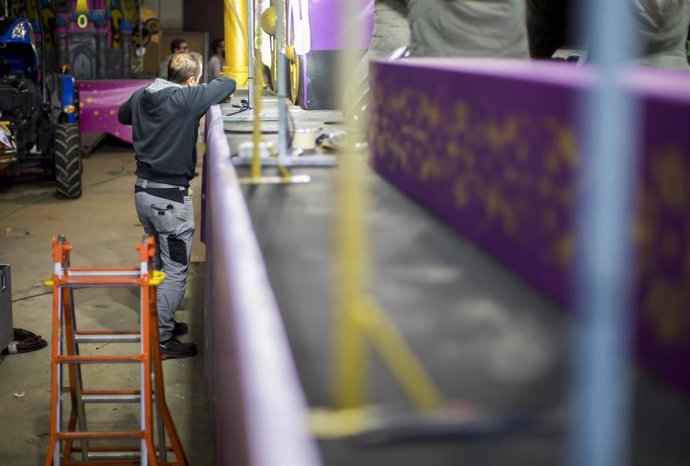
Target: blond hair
(184,65)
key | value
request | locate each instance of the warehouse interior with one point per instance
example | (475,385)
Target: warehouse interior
(461,240)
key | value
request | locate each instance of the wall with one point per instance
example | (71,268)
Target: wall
(170,15)
(204,15)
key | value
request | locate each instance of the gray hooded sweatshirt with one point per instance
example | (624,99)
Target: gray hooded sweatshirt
(165,125)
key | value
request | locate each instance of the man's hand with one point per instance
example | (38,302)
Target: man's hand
(229,99)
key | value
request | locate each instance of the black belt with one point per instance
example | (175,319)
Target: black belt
(172,194)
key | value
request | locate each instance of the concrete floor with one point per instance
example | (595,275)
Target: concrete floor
(103,228)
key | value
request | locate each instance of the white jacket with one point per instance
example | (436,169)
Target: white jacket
(468,28)
(664,28)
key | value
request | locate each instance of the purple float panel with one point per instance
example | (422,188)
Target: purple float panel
(326,30)
(492,148)
(259,410)
(99,101)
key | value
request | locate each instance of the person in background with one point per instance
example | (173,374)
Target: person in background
(391,32)
(177,45)
(460,28)
(663,26)
(217,60)
(165,125)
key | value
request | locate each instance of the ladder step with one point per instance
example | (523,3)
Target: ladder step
(77,272)
(95,336)
(98,435)
(111,452)
(102,451)
(110,460)
(111,396)
(85,282)
(99,359)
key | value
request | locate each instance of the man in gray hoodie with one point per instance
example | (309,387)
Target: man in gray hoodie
(165,123)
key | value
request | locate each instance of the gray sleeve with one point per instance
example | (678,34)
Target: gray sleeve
(124,113)
(201,97)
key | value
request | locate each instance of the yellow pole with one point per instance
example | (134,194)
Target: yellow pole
(351,352)
(401,360)
(236,49)
(258,86)
(350,346)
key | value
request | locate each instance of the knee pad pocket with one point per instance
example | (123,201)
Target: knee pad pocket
(178,250)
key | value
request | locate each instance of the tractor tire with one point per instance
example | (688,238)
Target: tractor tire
(67,161)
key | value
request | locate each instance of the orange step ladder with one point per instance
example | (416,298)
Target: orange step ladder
(154,417)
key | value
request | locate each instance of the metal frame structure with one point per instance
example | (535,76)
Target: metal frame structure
(66,341)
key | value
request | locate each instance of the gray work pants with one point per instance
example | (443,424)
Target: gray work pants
(171,223)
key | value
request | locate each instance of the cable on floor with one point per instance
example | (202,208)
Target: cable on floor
(24,341)
(32,296)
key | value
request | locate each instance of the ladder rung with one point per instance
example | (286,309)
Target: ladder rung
(111,396)
(109,462)
(115,450)
(103,273)
(109,459)
(85,282)
(98,435)
(113,455)
(103,269)
(99,359)
(107,337)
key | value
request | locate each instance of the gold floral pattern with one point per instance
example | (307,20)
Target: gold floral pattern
(505,177)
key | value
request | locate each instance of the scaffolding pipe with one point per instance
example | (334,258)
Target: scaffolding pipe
(282,84)
(601,379)
(251,22)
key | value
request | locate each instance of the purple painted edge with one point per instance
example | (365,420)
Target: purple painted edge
(325,26)
(252,369)
(672,84)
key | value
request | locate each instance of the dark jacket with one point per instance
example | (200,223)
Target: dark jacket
(165,126)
